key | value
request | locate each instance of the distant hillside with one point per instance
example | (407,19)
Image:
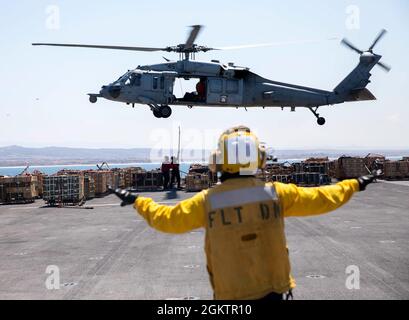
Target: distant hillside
(19,156)
(16,155)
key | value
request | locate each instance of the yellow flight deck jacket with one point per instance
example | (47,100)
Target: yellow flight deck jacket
(245,243)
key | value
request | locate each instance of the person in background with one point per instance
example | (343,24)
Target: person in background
(165,169)
(244,219)
(175,172)
(201,89)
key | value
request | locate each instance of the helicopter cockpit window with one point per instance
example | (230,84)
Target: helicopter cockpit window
(135,79)
(123,79)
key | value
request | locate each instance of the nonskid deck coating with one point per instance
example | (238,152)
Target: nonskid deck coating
(109,252)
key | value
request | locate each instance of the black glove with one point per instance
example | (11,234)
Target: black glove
(365,180)
(127,197)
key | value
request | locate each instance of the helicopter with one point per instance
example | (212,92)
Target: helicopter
(226,85)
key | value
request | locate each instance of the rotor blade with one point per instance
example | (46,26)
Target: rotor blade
(192,36)
(99,46)
(345,42)
(384,66)
(270,44)
(380,35)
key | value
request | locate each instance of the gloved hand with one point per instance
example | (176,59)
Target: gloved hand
(127,197)
(365,180)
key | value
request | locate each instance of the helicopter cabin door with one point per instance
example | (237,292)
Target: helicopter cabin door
(161,87)
(224,91)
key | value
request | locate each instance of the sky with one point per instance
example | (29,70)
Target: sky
(44,90)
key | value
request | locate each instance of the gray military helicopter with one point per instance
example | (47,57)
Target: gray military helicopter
(222,85)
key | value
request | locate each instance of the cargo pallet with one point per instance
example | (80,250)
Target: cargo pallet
(67,189)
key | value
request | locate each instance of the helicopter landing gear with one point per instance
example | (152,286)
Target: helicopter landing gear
(165,111)
(161,112)
(93,99)
(157,113)
(320,120)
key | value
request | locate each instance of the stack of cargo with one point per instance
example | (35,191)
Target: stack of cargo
(89,187)
(311,172)
(276,172)
(279,168)
(197,182)
(63,189)
(39,183)
(149,181)
(316,165)
(18,189)
(332,168)
(199,177)
(350,167)
(314,172)
(396,170)
(154,179)
(133,176)
(284,178)
(310,179)
(100,178)
(116,178)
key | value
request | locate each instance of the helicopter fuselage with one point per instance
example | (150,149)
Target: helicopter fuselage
(225,85)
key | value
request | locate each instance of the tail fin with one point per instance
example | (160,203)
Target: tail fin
(359,77)
(352,88)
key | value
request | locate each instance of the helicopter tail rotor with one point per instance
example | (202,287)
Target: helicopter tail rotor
(368,54)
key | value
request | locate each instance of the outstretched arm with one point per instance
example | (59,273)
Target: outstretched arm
(185,216)
(298,201)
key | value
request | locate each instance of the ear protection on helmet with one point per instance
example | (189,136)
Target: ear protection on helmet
(218,161)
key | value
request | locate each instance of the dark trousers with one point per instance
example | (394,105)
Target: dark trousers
(175,176)
(165,180)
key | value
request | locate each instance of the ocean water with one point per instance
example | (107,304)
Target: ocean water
(12,171)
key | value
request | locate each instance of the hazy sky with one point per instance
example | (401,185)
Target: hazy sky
(43,89)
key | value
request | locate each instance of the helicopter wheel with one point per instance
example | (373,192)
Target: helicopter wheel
(165,111)
(93,99)
(321,121)
(157,113)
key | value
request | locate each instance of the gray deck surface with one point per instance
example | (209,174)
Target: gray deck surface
(110,252)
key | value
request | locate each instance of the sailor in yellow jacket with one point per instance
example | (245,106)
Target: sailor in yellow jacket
(245,243)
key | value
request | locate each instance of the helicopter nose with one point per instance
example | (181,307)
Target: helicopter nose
(111,91)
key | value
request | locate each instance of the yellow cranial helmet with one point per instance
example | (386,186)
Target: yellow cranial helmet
(238,151)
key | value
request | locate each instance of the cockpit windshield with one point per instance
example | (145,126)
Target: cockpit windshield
(122,79)
(129,78)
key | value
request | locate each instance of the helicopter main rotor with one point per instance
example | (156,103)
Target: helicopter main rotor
(188,49)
